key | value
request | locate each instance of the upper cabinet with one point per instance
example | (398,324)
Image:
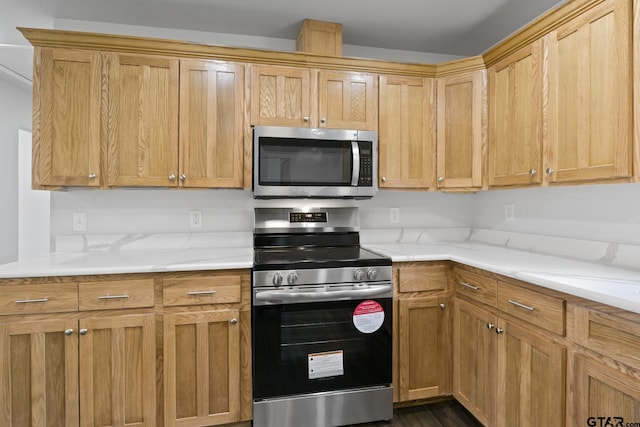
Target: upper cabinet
(515,118)
(406,138)
(211,124)
(66,117)
(347,100)
(302,97)
(590,95)
(461,138)
(280,96)
(142,129)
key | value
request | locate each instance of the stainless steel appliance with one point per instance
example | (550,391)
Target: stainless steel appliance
(304,162)
(321,319)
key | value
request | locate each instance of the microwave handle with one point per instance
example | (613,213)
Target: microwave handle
(355,156)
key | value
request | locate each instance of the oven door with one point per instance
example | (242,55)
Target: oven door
(321,346)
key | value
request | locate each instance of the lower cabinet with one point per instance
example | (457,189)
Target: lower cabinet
(422,333)
(96,371)
(201,368)
(506,373)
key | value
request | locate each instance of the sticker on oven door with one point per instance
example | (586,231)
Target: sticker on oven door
(326,364)
(368,316)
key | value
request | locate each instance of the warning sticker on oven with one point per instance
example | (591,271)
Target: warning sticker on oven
(368,316)
(326,364)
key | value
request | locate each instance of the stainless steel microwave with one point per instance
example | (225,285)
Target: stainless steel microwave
(306,162)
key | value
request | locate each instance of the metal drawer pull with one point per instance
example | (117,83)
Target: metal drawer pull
(467,285)
(28,301)
(125,296)
(233,321)
(83,331)
(68,331)
(518,304)
(202,292)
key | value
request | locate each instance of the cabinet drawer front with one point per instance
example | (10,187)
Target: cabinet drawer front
(110,295)
(201,290)
(416,279)
(608,335)
(480,288)
(542,310)
(44,298)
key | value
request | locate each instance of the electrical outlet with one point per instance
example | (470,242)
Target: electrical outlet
(79,221)
(394,215)
(509,212)
(195,219)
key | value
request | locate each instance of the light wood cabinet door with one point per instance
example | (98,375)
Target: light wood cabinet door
(531,378)
(280,96)
(423,353)
(603,395)
(474,360)
(142,127)
(67,117)
(211,124)
(202,368)
(39,373)
(118,371)
(406,139)
(347,100)
(590,98)
(515,118)
(461,130)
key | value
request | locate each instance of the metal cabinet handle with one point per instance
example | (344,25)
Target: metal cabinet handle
(172,177)
(499,331)
(183,177)
(384,179)
(92,176)
(124,296)
(323,120)
(532,172)
(211,292)
(440,179)
(470,286)
(550,171)
(83,331)
(305,119)
(490,326)
(29,301)
(519,304)
(442,306)
(68,332)
(233,321)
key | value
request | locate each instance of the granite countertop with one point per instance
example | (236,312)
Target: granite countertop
(618,287)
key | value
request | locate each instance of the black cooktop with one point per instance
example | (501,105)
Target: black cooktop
(316,257)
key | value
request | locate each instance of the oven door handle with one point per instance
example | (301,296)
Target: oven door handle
(280,296)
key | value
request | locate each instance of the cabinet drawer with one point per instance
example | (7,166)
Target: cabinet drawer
(110,295)
(476,286)
(201,290)
(43,298)
(608,335)
(541,310)
(416,279)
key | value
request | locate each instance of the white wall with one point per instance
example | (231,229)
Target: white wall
(608,212)
(15,114)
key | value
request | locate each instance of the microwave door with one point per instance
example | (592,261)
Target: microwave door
(355,163)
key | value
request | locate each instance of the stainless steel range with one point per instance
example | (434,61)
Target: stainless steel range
(322,321)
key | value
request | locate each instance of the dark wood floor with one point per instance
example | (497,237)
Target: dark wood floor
(442,414)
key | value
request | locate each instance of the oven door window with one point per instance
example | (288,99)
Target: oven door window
(295,162)
(314,347)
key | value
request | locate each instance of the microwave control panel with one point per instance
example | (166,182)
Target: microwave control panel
(366,164)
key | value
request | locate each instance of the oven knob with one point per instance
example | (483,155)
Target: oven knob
(277,279)
(292,278)
(358,275)
(372,273)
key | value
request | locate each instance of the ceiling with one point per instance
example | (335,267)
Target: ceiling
(454,27)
